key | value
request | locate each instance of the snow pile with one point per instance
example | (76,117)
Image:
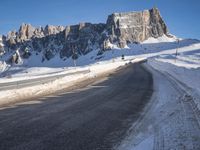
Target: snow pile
(185,68)
(19,73)
(9,96)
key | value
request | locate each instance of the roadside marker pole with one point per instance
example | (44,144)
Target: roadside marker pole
(176,54)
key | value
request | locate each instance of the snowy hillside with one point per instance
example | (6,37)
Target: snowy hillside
(51,46)
(166,120)
(171,120)
(185,68)
(149,48)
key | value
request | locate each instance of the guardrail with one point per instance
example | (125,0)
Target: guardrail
(32,82)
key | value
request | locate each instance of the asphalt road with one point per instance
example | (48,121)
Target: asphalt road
(96,117)
(36,81)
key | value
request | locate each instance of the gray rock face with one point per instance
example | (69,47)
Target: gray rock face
(120,29)
(131,27)
(50,30)
(82,38)
(26,32)
(1,46)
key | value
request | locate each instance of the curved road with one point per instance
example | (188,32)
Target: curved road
(93,118)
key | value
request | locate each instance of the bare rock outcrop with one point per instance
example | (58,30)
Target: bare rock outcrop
(26,31)
(50,29)
(133,27)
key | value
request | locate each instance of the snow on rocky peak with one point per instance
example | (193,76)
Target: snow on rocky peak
(74,41)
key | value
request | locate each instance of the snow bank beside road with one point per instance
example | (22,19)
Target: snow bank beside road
(97,69)
(169,120)
(185,72)
(10,96)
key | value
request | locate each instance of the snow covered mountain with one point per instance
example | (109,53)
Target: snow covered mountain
(37,61)
(73,41)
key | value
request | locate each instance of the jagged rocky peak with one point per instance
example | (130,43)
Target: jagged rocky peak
(27,32)
(82,38)
(135,26)
(1,39)
(120,29)
(83,29)
(2,50)
(1,45)
(50,29)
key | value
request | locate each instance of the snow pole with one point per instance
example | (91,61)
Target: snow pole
(176,54)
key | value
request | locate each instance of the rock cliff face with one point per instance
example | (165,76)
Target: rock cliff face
(1,46)
(135,26)
(120,29)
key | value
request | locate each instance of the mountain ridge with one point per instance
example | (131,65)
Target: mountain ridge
(120,29)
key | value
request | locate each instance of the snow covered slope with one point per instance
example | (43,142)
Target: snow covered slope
(185,68)
(74,41)
(172,118)
(33,66)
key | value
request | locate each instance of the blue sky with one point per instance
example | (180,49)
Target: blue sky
(181,16)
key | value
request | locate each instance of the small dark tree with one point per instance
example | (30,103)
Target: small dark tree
(26,53)
(122,56)
(74,56)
